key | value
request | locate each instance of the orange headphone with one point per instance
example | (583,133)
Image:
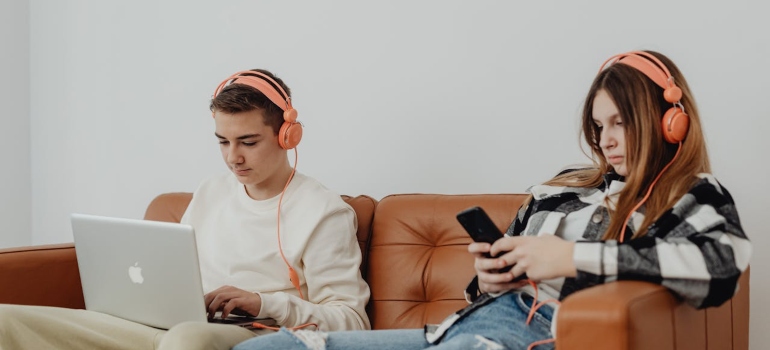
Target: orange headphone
(675,121)
(291,131)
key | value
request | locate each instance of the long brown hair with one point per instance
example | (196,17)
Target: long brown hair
(641,107)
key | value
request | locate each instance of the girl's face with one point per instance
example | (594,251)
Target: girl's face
(612,136)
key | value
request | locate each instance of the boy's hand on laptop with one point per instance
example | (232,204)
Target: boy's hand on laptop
(231,300)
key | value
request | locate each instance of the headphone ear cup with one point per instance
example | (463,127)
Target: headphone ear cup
(675,125)
(290,135)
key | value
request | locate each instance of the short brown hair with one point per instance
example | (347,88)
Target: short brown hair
(237,98)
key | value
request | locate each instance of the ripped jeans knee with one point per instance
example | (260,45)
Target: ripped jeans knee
(486,344)
(313,340)
(286,339)
(470,341)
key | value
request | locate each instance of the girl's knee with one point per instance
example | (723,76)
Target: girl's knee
(471,341)
(286,339)
(482,343)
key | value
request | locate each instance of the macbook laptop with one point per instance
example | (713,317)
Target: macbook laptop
(142,271)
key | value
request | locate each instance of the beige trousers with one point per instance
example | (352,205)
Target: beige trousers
(41,327)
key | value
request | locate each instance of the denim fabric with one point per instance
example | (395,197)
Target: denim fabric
(501,324)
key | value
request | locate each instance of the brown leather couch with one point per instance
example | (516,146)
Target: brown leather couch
(416,263)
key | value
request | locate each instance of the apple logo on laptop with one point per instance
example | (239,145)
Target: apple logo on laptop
(135,273)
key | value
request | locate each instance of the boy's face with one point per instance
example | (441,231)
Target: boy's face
(251,151)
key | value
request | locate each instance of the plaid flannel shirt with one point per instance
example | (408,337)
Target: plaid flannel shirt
(697,249)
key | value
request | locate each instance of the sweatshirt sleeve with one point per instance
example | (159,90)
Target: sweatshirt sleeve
(697,249)
(336,292)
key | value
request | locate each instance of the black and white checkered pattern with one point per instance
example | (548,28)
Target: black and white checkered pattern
(697,249)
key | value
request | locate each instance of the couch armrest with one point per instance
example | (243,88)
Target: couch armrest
(41,275)
(633,315)
(618,315)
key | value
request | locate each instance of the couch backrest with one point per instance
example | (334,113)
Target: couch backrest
(364,206)
(168,207)
(418,263)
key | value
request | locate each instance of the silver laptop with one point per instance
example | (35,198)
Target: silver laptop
(142,271)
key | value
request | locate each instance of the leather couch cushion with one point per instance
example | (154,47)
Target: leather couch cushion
(418,259)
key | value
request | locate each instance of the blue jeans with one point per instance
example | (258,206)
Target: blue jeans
(501,324)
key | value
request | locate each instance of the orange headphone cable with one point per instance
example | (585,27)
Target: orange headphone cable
(536,305)
(646,196)
(293,277)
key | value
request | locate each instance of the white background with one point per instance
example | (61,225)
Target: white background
(15,179)
(105,103)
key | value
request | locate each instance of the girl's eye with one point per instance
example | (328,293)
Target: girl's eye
(223,142)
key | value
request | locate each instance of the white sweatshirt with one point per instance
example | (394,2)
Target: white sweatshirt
(238,246)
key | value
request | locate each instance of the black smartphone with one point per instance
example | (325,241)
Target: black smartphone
(478,225)
(481,228)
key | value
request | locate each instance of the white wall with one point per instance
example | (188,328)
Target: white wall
(397,96)
(15,181)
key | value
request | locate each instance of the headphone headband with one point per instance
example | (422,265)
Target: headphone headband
(261,82)
(655,70)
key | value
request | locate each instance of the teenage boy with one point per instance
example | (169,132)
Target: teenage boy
(272,243)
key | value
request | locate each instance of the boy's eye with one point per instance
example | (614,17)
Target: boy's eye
(223,142)
(249,143)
